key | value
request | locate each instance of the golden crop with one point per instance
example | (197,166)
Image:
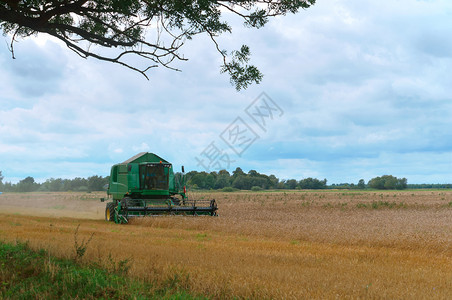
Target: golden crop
(291,245)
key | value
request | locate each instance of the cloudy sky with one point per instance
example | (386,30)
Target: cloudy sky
(352,89)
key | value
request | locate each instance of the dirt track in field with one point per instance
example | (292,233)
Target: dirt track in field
(76,205)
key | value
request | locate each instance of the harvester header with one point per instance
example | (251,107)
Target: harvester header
(144,185)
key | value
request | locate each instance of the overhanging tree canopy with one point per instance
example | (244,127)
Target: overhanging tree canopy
(152,29)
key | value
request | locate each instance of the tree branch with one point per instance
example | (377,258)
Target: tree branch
(123,25)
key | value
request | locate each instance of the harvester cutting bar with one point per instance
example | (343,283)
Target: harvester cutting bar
(176,209)
(129,208)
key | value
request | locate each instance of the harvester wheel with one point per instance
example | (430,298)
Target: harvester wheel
(110,212)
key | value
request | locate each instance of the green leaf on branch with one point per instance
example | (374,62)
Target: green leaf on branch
(241,74)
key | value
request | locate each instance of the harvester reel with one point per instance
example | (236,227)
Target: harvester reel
(119,213)
(175,201)
(125,207)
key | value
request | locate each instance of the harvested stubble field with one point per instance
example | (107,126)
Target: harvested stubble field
(297,244)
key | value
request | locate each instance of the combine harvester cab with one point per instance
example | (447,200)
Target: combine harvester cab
(145,185)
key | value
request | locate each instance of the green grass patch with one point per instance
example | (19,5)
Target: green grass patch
(202,237)
(28,274)
(59,207)
(229,189)
(381,204)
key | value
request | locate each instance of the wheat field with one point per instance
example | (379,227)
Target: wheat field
(263,245)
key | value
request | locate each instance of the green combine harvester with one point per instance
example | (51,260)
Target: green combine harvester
(145,185)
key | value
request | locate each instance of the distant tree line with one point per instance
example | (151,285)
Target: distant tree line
(430,186)
(218,180)
(361,185)
(248,181)
(385,182)
(93,183)
(388,182)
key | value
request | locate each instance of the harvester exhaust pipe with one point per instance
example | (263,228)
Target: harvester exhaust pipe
(183,175)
